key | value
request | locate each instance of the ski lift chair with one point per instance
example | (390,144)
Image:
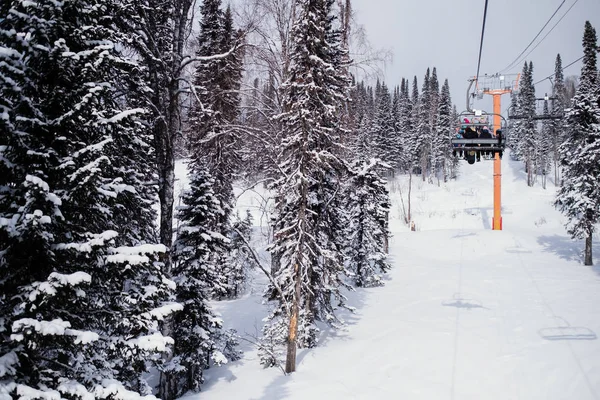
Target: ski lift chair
(474,147)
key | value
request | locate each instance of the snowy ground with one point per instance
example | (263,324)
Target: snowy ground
(467,313)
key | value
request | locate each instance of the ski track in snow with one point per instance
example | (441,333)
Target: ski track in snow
(466,312)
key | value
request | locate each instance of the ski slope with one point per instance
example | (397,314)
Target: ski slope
(466,312)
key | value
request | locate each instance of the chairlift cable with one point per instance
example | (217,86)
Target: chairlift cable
(533,40)
(549,32)
(481,41)
(562,69)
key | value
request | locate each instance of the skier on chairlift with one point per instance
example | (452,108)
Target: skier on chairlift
(485,134)
(499,137)
(470,133)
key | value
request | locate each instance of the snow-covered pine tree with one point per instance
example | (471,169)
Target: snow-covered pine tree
(382,130)
(370,101)
(396,118)
(434,93)
(544,146)
(453,163)
(423,129)
(212,131)
(513,138)
(412,138)
(557,128)
(579,197)
(308,239)
(241,260)
(196,329)
(368,207)
(377,94)
(526,130)
(405,124)
(360,132)
(80,306)
(441,153)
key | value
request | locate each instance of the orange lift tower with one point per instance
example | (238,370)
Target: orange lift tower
(496,85)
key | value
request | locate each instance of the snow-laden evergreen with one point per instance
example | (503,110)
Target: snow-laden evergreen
(524,133)
(211,136)
(544,150)
(83,290)
(441,155)
(368,208)
(557,128)
(308,237)
(198,274)
(579,197)
(383,131)
(422,134)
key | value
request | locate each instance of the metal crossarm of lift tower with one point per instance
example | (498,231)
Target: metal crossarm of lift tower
(496,84)
(539,114)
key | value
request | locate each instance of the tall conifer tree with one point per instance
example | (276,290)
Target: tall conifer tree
(557,126)
(579,197)
(82,293)
(308,214)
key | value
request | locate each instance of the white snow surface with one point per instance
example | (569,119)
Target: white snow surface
(154,342)
(7,363)
(124,114)
(465,313)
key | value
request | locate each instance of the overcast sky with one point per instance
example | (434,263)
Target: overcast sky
(446,34)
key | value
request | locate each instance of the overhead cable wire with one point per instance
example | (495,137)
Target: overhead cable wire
(562,69)
(549,32)
(481,41)
(533,40)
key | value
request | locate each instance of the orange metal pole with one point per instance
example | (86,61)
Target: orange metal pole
(497,220)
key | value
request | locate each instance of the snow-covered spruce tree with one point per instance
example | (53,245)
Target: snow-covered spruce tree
(440,148)
(412,136)
(557,128)
(530,142)
(368,208)
(396,118)
(363,144)
(423,129)
(241,260)
(196,329)
(405,124)
(544,146)
(512,140)
(525,131)
(80,306)
(579,197)
(307,191)
(434,102)
(453,162)
(382,130)
(211,131)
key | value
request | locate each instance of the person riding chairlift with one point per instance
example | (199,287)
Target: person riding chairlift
(485,134)
(459,135)
(470,133)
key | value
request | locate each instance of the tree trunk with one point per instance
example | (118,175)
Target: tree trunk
(292,345)
(409,189)
(166,178)
(556,177)
(588,250)
(386,236)
(529,171)
(290,359)
(445,171)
